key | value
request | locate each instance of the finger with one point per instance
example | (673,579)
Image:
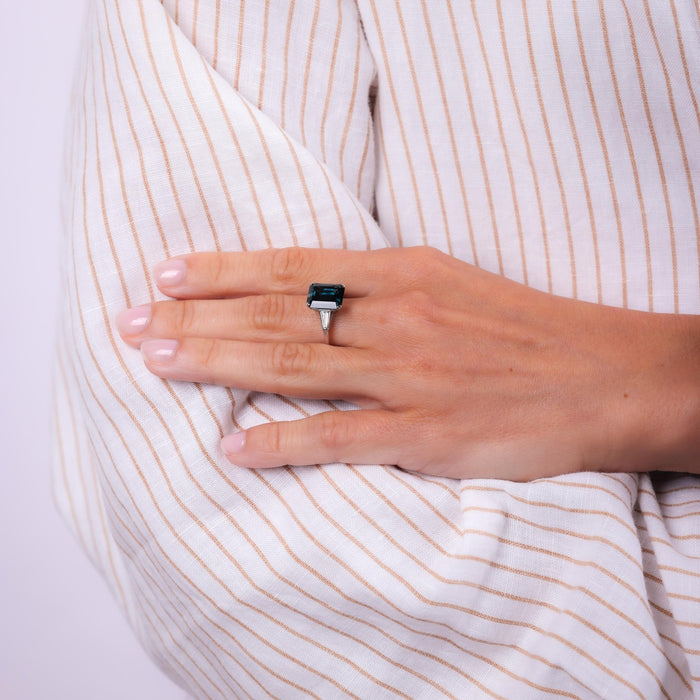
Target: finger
(264,317)
(303,370)
(280,270)
(356,437)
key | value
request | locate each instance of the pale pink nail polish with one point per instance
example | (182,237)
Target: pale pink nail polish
(133,321)
(232,444)
(159,351)
(170,273)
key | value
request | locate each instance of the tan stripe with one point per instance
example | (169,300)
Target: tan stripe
(363,161)
(681,144)
(436,481)
(307,71)
(552,150)
(528,149)
(390,184)
(694,486)
(161,140)
(263,57)
(283,106)
(402,128)
(217,24)
(122,185)
(350,112)
(657,151)
(579,153)
(504,145)
(331,81)
(606,155)
(239,45)
(426,130)
(633,161)
(195,20)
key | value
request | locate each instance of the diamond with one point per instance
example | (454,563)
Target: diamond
(325,296)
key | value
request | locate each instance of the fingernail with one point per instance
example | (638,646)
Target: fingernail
(132,321)
(170,273)
(159,351)
(232,444)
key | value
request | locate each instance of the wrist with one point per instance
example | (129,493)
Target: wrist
(652,410)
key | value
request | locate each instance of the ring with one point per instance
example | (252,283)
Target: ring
(326,299)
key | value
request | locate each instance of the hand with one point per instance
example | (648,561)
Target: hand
(458,372)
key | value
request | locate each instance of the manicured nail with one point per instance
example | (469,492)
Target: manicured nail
(170,273)
(133,321)
(232,444)
(159,351)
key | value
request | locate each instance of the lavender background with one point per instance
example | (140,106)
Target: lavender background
(62,636)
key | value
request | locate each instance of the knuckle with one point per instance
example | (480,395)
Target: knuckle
(288,266)
(217,270)
(266,312)
(274,438)
(184,317)
(210,353)
(334,432)
(419,303)
(291,359)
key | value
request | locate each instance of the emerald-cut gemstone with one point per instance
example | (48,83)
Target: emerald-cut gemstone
(325,296)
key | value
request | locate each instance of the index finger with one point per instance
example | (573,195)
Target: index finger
(274,270)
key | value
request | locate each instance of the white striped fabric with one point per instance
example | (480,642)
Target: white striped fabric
(555,142)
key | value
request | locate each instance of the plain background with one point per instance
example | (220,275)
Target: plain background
(62,635)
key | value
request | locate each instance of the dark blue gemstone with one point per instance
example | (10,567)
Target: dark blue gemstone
(325,296)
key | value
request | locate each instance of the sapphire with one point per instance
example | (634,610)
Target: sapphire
(325,296)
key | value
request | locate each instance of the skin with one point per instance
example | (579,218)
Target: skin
(457,372)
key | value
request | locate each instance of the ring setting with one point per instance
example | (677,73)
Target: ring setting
(326,299)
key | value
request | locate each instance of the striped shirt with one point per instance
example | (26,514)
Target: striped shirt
(555,142)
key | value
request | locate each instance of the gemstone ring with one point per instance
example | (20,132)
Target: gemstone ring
(326,299)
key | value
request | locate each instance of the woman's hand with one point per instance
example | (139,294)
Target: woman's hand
(457,372)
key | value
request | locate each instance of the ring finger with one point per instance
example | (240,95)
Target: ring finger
(264,317)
